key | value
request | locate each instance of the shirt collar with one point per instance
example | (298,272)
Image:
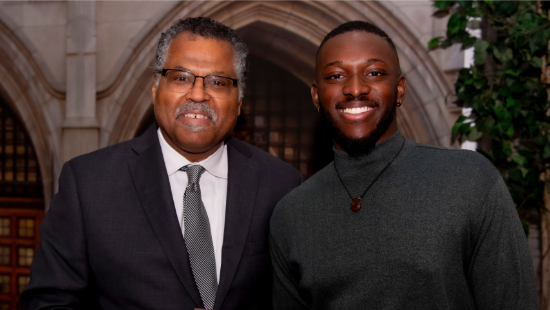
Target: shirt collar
(216,164)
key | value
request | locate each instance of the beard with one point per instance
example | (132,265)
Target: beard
(357,147)
(197,106)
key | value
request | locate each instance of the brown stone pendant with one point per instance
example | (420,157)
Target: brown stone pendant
(355,205)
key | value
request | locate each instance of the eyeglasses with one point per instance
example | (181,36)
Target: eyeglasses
(180,81)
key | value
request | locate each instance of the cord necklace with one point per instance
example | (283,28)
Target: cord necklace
(356,202)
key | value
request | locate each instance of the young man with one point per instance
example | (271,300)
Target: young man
(177,218)
(393,224)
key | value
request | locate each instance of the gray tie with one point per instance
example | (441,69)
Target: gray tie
(198,237)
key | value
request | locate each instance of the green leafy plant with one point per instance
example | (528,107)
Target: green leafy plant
(509,101)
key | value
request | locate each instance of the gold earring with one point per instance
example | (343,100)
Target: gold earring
(319,109)
(399,103)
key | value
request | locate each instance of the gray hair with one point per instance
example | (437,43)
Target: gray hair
(208,29)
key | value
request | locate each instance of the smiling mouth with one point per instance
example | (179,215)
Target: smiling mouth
(191,115)
(356,110)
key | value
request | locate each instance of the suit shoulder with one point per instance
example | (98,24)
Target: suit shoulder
(105,156)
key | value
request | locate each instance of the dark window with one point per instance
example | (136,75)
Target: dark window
(25,255)
(279,117)
(25,228)
(19,172)
(22,280)
(5,283)
(5,227)
(5,255)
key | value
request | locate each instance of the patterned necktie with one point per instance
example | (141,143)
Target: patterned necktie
(198,238)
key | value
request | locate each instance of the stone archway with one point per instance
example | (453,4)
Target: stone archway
(28,91)
(290,33)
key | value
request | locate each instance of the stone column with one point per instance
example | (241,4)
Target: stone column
(80,128)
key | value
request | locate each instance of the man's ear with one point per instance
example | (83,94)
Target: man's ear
(401,88)
(315,94)
(154,91)
(239,107)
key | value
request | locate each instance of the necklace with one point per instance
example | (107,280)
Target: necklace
(356,202)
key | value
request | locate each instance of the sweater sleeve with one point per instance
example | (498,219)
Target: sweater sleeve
(286,295)
(500,271)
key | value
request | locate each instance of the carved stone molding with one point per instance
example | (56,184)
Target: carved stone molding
(424,115)
(25,87)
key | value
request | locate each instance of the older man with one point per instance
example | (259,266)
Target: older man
(177,218)
(393,224)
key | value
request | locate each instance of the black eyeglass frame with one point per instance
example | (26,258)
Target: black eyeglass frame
(163,73)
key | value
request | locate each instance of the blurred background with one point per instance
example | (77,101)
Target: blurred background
(75,77)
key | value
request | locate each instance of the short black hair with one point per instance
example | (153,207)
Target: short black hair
(356,25)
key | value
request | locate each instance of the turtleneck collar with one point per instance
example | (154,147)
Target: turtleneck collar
(371,163)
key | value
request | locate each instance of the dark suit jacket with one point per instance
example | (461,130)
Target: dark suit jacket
(111,238)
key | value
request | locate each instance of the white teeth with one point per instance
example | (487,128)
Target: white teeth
(357,110)
(194,115)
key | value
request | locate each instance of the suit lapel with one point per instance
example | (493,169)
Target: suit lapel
(241,194)
(152,184)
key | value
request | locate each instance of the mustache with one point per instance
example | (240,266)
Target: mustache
(197,106)
(361,98)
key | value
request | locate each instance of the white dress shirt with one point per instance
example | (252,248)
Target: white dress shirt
(213,184)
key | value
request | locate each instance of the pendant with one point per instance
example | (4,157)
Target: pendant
(355,205)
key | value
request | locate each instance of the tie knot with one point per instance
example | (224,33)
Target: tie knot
(194,173)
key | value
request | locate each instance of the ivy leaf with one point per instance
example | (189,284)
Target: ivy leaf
(535,41)
(506,148)
(515,174)
(510,102)
(474,134)
(523,170)
(510,132)
(505,8)
(464,128)
(531,121)
(546,152)
(478,84)
(512,72)
(503,55)
(442,4)
(497,54)
(456,23)
(504,116)
(520,160)
(508,54)
(536,62)
(465,4)
(474,12)
(480,51)
(458,123)
(434,43)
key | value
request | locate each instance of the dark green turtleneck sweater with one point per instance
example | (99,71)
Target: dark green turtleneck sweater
(438,230)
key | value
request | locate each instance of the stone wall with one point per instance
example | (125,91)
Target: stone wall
(77,72)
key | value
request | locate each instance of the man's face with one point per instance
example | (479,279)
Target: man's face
(194,123)
(358,82)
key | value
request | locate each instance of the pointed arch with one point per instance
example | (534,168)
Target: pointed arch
(36,101)
(286,33)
